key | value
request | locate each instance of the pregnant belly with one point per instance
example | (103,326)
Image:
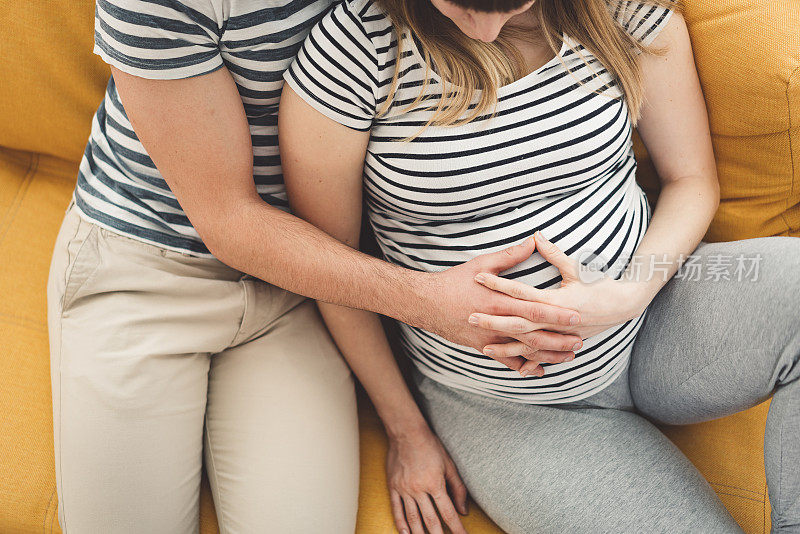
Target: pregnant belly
(604,225)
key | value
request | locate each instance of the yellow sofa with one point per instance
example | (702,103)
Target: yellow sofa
(748,55)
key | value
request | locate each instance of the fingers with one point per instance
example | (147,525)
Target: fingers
(532,367)
(412,515)
(448,512)
(512,288)
(429,515)
(508,324)
(457,488)
(532,343)
(497,262)
(555,256)
(539,313)
(542,340)
(514,363)
(398,513)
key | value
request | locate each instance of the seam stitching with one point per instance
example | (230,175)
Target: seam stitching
(245,304)
(47,512)
(792,155)
(737,488)
(33,165)
(64,301)
(214,487)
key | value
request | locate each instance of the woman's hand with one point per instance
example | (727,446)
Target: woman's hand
(456,295)
(602,303)
(423,479)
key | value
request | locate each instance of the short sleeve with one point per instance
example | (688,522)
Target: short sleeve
(642,20)
(337,67)
(158,39)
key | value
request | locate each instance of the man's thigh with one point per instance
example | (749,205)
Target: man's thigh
(130,342)
(717,343)
(550,469)
(282,429)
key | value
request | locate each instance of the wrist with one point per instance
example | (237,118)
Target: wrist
(410,430)
(414,299)
(637,295)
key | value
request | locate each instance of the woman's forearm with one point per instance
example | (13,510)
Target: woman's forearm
(681,218)
(362,341)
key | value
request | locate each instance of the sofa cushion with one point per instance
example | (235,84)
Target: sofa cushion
(51,82)
(748,58)
(35,190)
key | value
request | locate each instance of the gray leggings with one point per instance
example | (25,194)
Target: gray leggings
(708,349)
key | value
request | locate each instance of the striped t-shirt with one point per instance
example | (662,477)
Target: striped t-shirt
(119,187)
(556,156)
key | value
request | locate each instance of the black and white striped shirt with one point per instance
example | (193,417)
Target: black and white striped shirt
(556,156)
(119,187)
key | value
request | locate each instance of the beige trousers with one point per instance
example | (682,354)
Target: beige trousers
(159,360)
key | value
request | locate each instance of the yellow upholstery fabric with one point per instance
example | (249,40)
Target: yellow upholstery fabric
(50,84)
(748,56)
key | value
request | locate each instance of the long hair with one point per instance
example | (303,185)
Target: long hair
(468,67)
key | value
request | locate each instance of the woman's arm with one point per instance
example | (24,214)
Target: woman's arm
(674,127)
(323,164)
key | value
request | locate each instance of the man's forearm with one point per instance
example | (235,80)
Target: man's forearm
(288,252)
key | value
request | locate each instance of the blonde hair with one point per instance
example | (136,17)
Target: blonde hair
(468,66)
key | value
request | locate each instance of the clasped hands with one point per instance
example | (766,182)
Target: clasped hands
(522,326)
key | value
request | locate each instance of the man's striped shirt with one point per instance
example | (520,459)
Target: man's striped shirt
(119,187)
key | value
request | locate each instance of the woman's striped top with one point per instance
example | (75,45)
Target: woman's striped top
(119,187)
(556,156)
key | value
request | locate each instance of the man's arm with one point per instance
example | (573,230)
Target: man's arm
(196,132)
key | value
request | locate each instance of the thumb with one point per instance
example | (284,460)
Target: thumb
(556,257)
(500,261)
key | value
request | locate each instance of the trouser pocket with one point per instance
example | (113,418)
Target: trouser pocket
(75,259)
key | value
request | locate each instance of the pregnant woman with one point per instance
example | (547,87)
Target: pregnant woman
(469,126)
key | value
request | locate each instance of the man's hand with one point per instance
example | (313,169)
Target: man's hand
(451,296)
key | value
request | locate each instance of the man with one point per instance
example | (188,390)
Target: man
(163,349)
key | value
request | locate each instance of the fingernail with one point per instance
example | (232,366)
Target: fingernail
(480,278)
(576,346)
(473,320)
(574,320)
(489,352)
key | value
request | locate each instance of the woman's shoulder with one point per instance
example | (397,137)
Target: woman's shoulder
(642,19)
(361,28)
(360,23)
(367,14)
